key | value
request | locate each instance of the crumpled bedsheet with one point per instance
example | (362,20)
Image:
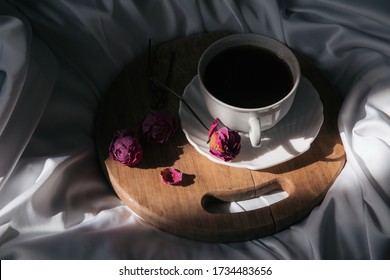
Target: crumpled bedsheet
(57,58)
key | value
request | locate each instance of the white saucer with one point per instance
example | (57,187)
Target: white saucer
(291,137)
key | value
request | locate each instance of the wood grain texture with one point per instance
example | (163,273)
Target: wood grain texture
(181,209)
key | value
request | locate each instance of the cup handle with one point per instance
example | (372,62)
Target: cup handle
(255,131)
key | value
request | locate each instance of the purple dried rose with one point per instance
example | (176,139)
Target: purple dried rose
(157,127)
(125,148)
(224,143)
(171,176)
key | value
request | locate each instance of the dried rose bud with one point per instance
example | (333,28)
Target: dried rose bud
(171,176)
(125,148)
(157,127)
(224,143)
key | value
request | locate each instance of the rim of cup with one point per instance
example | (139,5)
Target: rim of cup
(244,40)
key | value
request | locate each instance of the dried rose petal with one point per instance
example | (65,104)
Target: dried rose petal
(213,128)
(157,127)
(171,176)
(125,148)
(224,143)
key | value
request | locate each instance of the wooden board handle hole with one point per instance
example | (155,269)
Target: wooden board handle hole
(243,201)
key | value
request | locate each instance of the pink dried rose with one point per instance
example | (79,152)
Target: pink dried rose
(224,143)
(125,148)
(171,176)
(157,127)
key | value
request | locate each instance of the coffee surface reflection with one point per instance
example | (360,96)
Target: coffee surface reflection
(248,77)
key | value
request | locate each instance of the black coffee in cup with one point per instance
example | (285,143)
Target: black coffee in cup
(248,76)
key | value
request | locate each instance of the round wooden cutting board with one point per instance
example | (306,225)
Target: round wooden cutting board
(186,209)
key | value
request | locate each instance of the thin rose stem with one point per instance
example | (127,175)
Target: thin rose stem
(159,84)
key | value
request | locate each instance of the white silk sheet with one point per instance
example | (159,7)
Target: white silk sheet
(57,59)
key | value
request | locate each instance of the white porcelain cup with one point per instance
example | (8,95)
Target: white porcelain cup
(249,121)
